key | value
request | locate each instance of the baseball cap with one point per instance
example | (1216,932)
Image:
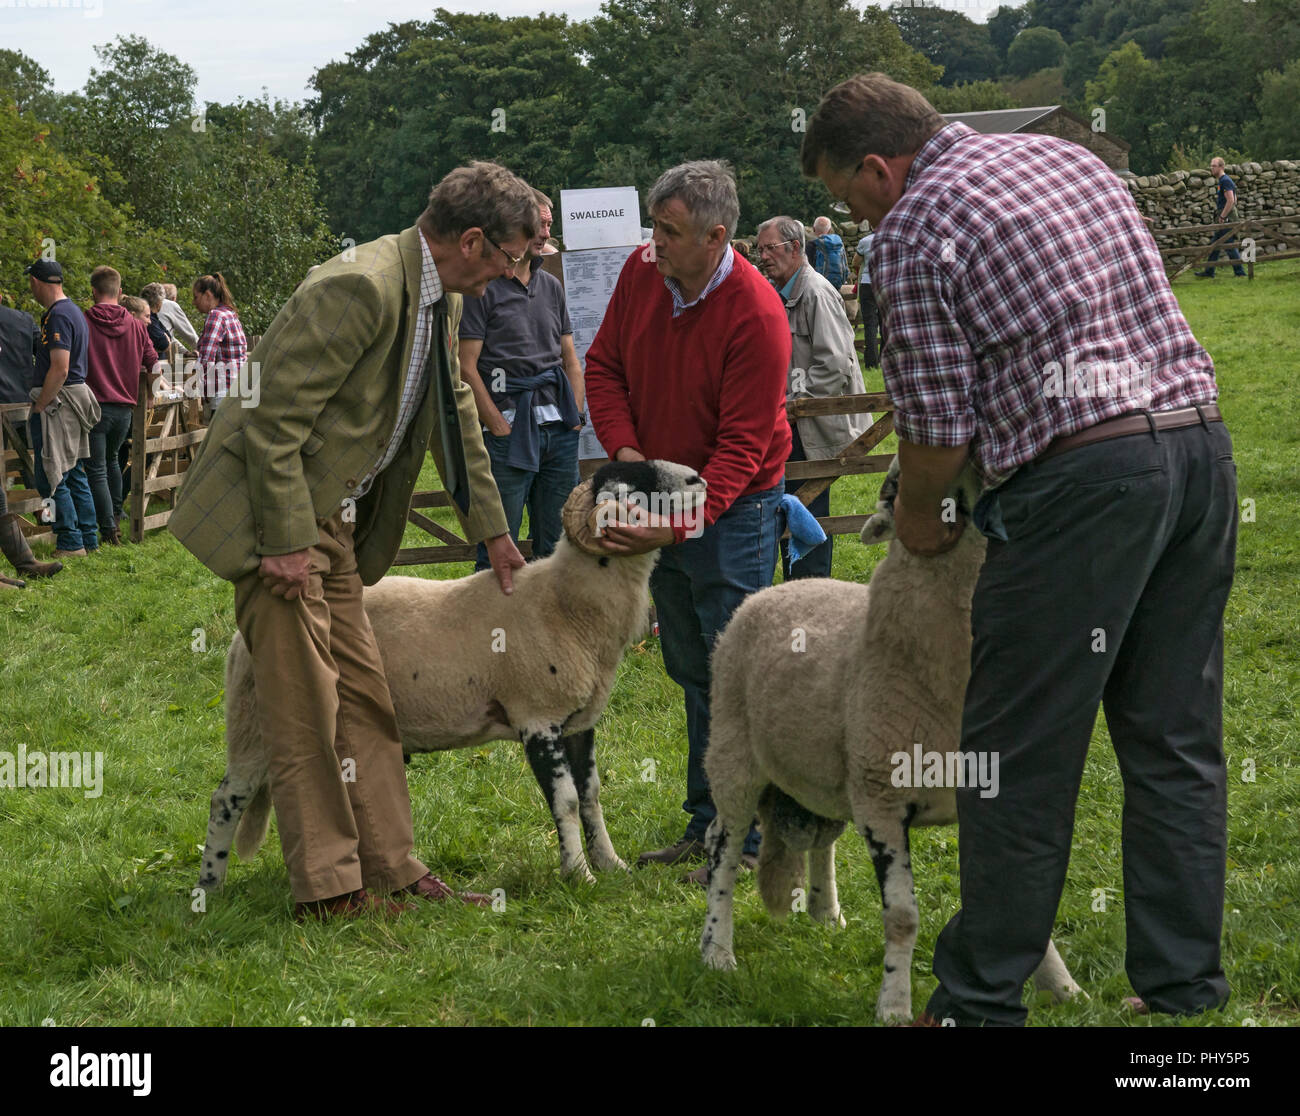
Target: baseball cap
(47,271)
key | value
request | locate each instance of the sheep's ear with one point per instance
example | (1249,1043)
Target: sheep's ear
(880,527)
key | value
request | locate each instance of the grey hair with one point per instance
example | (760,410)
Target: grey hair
(706,187)
(822,223)
(169,289)
(788,229)
(153,294)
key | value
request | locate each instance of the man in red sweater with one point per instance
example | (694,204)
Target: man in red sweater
(117,352)
(690,365)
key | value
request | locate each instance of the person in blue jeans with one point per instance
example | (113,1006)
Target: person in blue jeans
(517,355)
(60,380)
(1225,200)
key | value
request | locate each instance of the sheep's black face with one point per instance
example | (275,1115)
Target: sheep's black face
(662,487)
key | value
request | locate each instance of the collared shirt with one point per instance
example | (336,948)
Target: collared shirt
(522,328)
(417,372)
(222,351)
(1023,299)
(675,288)
(788,289)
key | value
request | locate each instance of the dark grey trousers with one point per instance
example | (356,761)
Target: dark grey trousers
(1109,589)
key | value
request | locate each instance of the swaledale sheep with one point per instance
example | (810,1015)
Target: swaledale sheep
(867,673)
(467,665)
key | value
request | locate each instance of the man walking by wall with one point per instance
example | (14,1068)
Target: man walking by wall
(689,365)
(823,363)
(302,498)
(517,354)
(1225,198)
(1111,516)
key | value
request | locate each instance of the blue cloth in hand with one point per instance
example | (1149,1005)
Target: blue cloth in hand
(806,533)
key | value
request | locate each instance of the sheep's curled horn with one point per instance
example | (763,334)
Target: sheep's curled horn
(579,519)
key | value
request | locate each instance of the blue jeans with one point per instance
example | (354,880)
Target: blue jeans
(1233,255)
(103,468)
(543,492)
(74,507)
(697,585)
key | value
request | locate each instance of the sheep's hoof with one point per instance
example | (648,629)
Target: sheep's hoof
(715,957)
(1067,992)
(834,919)
(579,873)
(893,1010)
(210,883)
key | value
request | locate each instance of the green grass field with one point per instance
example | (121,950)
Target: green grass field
(96,918)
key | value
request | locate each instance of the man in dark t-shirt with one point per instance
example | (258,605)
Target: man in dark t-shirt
(517,354)
(18,335)
(61,364)
(1225,199)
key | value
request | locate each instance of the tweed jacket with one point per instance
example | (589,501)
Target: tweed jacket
(329,376)
(822,362)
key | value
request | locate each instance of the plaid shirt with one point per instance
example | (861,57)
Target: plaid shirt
(222,350)
(723,270)
(1023,299)
(417,372)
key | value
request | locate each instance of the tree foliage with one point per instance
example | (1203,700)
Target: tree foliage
(950,39)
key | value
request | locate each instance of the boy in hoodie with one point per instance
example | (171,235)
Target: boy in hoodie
(119,349)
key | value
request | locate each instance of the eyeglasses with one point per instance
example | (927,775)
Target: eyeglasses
(764,249)
(514,260)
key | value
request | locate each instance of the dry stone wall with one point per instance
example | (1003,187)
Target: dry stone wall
(1188,198)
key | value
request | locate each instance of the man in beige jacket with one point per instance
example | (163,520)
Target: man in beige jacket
(299,496)
(823,362)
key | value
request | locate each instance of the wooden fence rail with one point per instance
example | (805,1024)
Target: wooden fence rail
(816,477)
(1179,259)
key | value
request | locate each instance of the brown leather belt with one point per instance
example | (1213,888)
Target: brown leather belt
(1139,422)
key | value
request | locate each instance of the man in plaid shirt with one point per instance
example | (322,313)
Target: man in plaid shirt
(1026,311)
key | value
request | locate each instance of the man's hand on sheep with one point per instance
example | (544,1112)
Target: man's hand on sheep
(926,535)
(926,474)
(628,540)
(504,557)
(287,574)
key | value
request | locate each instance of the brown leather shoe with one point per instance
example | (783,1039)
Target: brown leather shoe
(39,569)
(80,552)
(700,876)
(11,583)
(688,849)
(431,888)
(110,535)
(353,904)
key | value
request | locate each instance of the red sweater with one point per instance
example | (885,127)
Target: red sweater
(118,348)
(705,389)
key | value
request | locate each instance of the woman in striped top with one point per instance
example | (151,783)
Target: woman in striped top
(222,347)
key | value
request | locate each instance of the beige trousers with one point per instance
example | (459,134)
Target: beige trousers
(338,782)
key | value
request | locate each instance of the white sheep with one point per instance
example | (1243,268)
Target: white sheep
(467,665)
(868,673)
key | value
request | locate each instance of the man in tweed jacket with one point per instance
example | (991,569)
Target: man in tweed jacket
(299,497)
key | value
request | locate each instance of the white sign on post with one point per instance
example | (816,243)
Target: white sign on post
(607,217)
(601,228)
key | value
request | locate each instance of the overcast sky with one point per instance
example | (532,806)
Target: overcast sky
(239,46)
